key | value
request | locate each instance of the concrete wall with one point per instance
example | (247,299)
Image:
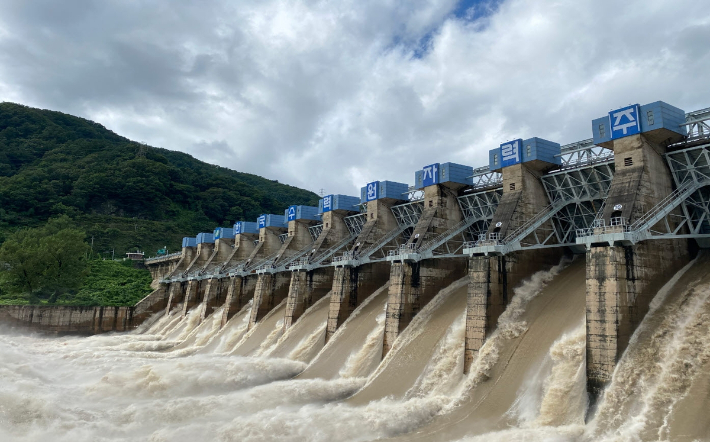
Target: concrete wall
(160,269)
(69,320)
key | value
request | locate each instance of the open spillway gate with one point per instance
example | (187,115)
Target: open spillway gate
(634,200)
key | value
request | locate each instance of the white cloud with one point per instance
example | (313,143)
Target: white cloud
(324,94)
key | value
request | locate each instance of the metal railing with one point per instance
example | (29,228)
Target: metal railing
(159,258)
(332,250)
(383,241)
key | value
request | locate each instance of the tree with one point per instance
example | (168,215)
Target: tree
(44,262)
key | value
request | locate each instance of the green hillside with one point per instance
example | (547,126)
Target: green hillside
(123,194)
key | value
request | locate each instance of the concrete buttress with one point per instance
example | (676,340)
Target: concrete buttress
(414,284)
(352,285)
(622,279)
(272,288)
(493,278)
(307,287)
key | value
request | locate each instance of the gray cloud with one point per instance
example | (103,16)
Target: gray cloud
(333,94)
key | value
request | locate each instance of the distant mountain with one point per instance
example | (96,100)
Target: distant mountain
(126,195)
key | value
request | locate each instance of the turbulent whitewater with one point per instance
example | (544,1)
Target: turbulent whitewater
(182,379)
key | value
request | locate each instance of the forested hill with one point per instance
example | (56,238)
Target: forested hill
(124,194)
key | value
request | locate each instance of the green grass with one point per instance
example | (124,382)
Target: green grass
(110,283)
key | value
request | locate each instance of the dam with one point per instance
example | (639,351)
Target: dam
(559,292)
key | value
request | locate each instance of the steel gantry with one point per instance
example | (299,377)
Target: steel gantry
(477,210)
(685,213)
(407,215)
(576,191)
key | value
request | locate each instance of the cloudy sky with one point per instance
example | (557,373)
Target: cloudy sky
(332,94)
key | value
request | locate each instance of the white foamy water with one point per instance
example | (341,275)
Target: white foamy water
(182,379)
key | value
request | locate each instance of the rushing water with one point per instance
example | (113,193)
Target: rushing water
(179,379)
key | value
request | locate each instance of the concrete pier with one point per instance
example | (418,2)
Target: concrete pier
(181,292)
(175,289)
(414,284)
(353,284)
(622,279)
(218,285)
(241,287)
(493,278)
(272,288)
(308,286)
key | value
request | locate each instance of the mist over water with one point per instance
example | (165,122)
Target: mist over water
(182,379)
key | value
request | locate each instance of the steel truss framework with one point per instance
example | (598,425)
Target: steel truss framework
(693,164)
(484,178)
(315,231)
(577,191)
(408,214)
(477,209)
(577,194)
(355,223)
(685,213)
(582,153)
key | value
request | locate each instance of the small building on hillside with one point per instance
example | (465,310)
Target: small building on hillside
(135,256)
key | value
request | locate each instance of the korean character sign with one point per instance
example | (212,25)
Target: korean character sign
(292,213)
(372,191)
(237,228)
(262,221)
(430,175)
(327,203)
(510,152)
(624,121)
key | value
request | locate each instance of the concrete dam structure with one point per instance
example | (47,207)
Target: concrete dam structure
(579,249)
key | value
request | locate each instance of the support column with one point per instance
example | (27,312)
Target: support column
(622,279)
(240,291)
(351,286)
(412,286)
(215,295)
(177,295)
(191,296)
(492,279)
(271,289)
(305,289)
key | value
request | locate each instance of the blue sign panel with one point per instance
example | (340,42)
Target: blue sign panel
(510,152)
(430,175)
(373,190)
(262,221)
(624,121)
(237,228)
(327,203)
(292,213)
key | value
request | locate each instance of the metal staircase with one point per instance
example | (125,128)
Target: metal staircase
(641,228)
(511,242)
